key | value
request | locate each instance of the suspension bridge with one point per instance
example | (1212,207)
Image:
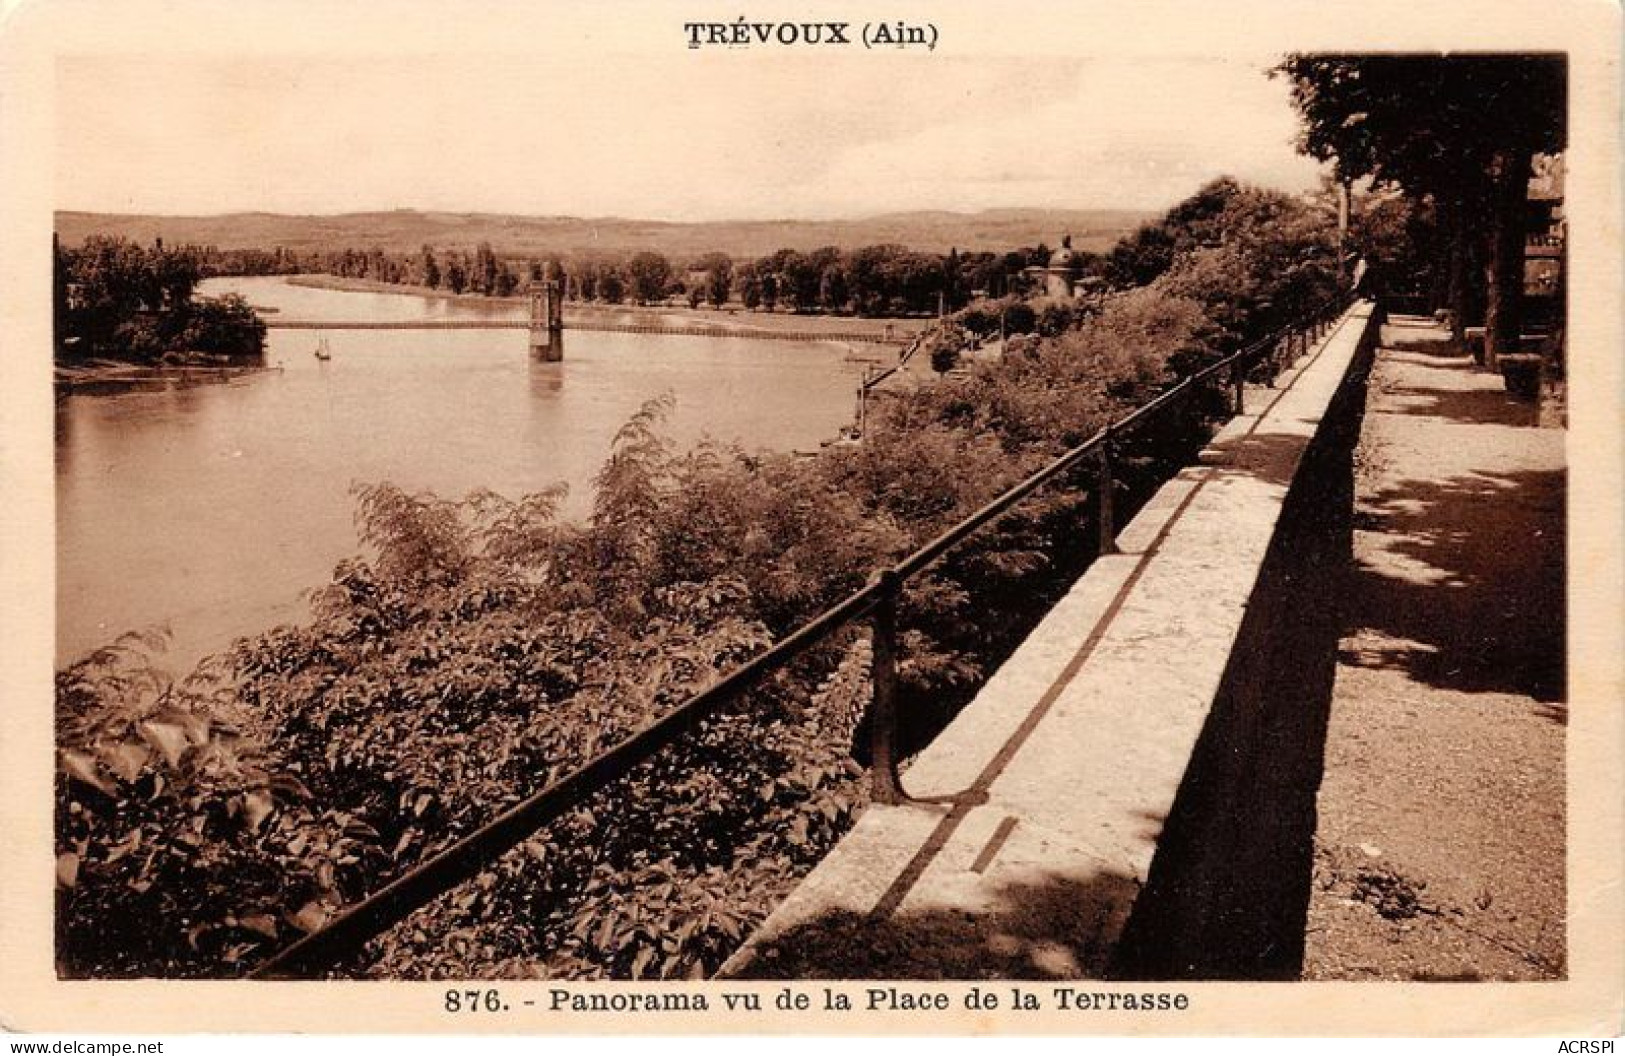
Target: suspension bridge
(546,323)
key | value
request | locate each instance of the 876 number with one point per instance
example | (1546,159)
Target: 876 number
(475,1001)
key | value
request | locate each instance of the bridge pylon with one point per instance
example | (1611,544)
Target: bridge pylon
(546,319)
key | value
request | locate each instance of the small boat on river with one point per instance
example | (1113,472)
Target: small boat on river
(323,353)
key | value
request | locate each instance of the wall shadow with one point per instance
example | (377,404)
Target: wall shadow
(1056,927)
(1228,891)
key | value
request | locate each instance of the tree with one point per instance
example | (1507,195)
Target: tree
(1254,258)
(833,290)
(954,286)
(116,299)
(750,285)
(429,268)
(584,274)
(175,276)
(801,274)
(944,348)
(1150,250)
(650,274)
(484,276)
(1398,236)
(224,326)
(1460,130)
(891,280)
(506,281)
(718,281)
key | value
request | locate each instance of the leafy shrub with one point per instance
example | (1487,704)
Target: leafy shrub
(185,844)
(1253,258)
(222,326)
(1057,317)
(1019,318)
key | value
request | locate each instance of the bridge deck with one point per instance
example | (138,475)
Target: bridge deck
(603,328)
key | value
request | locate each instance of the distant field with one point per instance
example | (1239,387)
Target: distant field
(407,230)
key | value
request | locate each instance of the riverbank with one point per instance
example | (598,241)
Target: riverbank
(743,320)
(113,373)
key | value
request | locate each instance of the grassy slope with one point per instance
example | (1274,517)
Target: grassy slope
(406,230)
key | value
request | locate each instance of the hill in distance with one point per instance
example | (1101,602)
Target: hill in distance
(406,230)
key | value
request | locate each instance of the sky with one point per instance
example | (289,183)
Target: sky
(664,133)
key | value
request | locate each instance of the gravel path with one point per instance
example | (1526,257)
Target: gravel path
(1440,842)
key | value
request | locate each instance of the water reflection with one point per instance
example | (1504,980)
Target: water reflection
(546,380)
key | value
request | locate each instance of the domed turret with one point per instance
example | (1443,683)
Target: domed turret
(1061,269)
(1064,257)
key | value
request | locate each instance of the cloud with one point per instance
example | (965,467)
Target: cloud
(664,136)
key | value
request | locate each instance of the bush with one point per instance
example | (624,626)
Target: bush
(186,845)
(1019,318)
(222,326)
(1057,317)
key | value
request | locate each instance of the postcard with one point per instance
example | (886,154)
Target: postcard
(811,519)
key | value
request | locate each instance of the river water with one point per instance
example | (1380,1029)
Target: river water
(211,507)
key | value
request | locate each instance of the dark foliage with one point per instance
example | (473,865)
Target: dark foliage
(113,298)
(1458,132)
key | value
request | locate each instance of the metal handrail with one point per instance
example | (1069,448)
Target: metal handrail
(471,854)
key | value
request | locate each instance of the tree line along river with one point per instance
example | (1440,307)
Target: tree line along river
(210,507)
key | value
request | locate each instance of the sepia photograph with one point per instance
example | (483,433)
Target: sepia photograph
(922,520)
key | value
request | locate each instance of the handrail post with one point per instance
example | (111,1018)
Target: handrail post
(884,785)
(1106,539)
(1238,382)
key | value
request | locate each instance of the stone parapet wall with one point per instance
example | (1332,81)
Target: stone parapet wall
(1132,793)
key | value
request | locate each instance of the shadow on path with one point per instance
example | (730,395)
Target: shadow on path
(1441,844)
(1436,382)
(1048,927)
(1462,583)
(1460,562)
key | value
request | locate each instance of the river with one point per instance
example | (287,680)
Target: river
(210,508)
